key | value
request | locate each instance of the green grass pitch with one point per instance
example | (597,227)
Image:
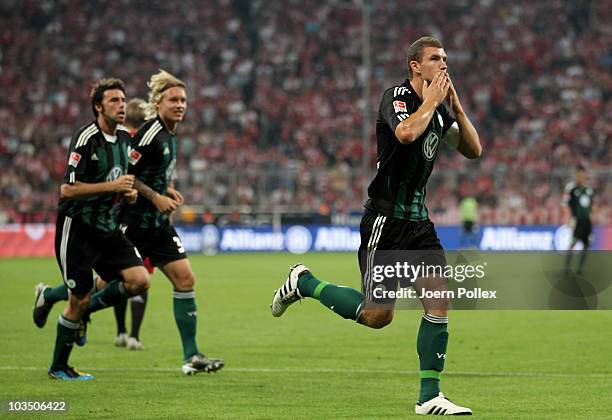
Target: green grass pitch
(307,364)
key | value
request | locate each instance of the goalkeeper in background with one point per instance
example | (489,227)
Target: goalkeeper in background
(579,199)
(468,211)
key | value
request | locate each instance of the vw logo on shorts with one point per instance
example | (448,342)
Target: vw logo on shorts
(430,145)
(114,173)
(70,283)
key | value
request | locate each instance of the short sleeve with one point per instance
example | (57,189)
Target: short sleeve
(79,155)
(396,105)
(139,154)
(447,119)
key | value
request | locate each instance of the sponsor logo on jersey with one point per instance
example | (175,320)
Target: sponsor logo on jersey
(584,200)
(114,173)
(399,106)
(74,160)
(430,145)
(135,156)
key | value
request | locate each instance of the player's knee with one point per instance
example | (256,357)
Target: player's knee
(185,280)
(437,307)
(78,303)
(100,283)
(137,281)
(437,312)
(377,318)
(383,319)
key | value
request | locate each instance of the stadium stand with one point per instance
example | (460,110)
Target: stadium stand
(275,97)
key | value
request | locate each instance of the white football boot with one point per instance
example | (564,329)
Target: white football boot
(201,363)
(288,293)
(121,340)
(441,406)
(134,344)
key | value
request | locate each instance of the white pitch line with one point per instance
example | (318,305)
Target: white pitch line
(335,371)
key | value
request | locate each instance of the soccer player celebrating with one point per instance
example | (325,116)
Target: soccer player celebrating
(152,161)
(87,235)
(580,201)
(412,119)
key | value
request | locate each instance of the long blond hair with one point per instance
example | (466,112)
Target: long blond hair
(158,84)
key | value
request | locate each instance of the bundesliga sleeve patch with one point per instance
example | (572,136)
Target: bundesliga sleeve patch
(74,160)
(135,156)
(399,106)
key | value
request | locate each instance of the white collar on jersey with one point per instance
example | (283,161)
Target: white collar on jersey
(109,138)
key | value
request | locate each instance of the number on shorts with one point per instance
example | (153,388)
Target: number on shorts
(179,244)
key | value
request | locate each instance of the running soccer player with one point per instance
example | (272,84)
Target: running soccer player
(153,161)
(134,119)
(579,198)
(412,119)
(87,233)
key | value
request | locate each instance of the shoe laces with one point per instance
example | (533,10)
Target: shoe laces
(291,297)
(72,372)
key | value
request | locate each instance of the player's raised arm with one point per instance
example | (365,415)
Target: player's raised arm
(433,93)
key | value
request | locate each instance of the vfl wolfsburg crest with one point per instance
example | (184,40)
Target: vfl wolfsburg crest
(430,145)
(114,173)
(584,200)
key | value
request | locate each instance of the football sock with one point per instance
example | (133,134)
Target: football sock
(64,341)
(55,294)
(568,260)
(344,301)
(431,348)
(112,294)
(120,308)
(138,304)
(582,260)
(185,316)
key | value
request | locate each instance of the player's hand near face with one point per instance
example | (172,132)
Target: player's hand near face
(437,90)
(453,98)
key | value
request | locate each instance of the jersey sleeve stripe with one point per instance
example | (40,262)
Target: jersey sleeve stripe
(151,132)
(86,135)
(400,90)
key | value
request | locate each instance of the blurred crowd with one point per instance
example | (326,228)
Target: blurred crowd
(276,95)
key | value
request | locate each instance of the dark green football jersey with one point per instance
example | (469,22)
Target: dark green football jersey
(153,161)
(398,189)
(95,157)
(580,201)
